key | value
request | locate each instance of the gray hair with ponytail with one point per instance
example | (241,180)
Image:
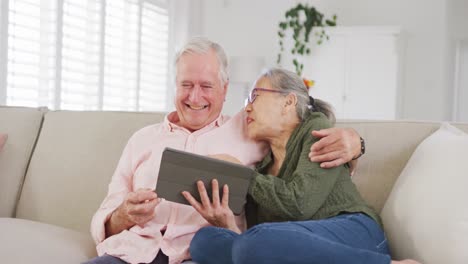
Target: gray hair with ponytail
(289,82)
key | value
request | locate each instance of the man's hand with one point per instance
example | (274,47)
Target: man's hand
(217,212)
(335,147)
(225,157)
(136,209)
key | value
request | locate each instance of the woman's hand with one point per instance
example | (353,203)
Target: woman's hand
(217,212)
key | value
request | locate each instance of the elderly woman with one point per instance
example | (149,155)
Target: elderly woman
(332,223)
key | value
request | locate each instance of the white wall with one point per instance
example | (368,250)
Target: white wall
(248,28)
(243,27)
(185,22)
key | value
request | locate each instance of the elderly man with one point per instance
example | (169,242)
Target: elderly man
(133,224)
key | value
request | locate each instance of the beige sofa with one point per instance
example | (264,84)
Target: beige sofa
(56,165)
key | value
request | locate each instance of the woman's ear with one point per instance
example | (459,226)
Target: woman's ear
(290,102)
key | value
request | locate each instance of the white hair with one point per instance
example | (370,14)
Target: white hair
(202,45)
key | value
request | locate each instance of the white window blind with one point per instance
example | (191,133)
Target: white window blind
(80,55)
(88,54)
(31,53)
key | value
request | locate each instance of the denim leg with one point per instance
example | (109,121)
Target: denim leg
(357,230)
(350,239)
(105,259)
(212,245)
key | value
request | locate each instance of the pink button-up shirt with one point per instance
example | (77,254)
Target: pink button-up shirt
(138,168)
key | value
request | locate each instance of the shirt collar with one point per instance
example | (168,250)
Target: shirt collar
(171,120)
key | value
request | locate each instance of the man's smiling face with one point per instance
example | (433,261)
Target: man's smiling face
(200,93)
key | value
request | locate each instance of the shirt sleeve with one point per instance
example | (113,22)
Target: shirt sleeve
(298,197)
(120,185)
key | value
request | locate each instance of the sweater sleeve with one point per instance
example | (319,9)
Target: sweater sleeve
(298,197)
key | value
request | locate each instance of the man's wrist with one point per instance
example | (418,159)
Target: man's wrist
(122,219)
(117,222)
(363,149)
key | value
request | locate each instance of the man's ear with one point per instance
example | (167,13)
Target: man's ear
(225,88)
(226,85)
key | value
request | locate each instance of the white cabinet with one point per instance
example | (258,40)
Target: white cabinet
(357,71)
(460,106)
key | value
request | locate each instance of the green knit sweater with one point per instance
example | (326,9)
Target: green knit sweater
(302,190)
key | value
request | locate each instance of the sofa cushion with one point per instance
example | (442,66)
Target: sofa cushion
(22,126)
(73,162)
(389,145)
(426,217)
(25,241)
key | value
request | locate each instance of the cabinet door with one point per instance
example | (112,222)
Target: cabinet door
(357,72)
(371,92)
(327,67)
(461,83)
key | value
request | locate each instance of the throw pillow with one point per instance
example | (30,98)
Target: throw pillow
(3,139)
(426,214)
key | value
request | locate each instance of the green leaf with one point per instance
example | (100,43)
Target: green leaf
(330,23)
(301,50)
(283,25)
(301,30)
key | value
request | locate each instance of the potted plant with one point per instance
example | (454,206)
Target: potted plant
(302,19)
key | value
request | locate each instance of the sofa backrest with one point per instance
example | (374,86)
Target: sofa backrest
(72,164)
(77,153)
(22,126)
(389,145)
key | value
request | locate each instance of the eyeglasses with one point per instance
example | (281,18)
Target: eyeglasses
(253,95)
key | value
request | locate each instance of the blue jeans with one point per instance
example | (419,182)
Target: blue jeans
(347,238)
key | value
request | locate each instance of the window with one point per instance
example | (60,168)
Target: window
(85,54)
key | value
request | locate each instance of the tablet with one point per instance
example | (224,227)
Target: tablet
(180,171)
